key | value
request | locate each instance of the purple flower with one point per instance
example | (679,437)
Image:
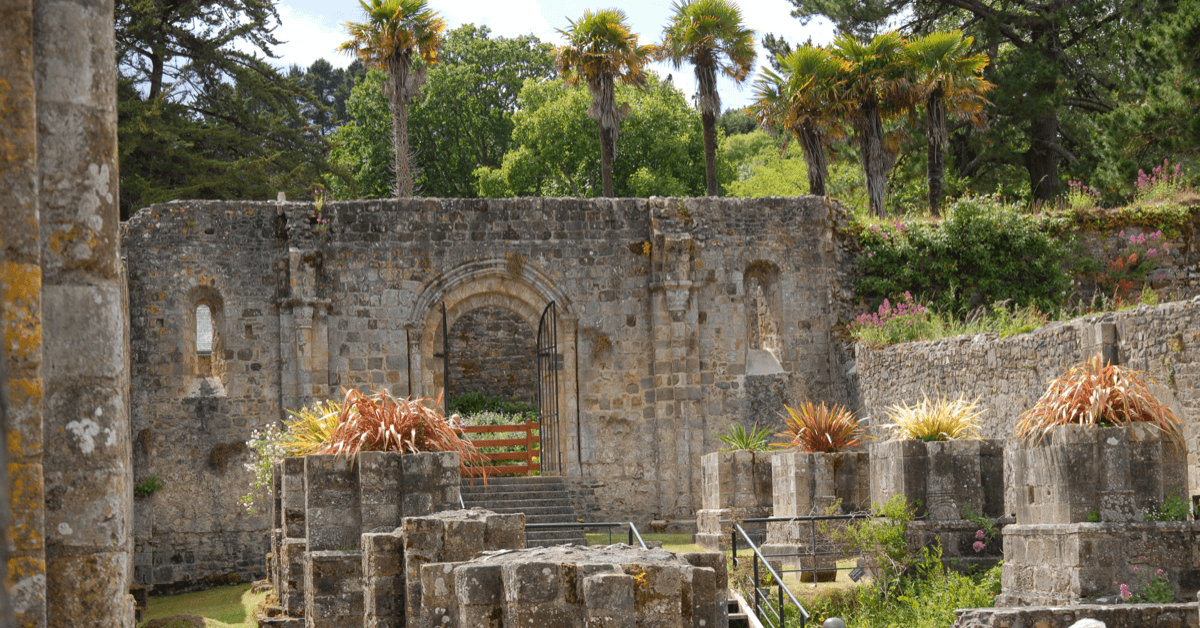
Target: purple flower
(978,546)
(979,534)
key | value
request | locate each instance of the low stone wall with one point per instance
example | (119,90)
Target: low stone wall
(945,477)
(570,586)
(1113,616)
(1069,564)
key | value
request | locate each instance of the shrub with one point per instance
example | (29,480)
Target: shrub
(984,251)
(821,428)
(738,438)
(1080,196)
(890,324)
(937,420)
(1162,184)
(475,402)
(1129,269)
(1174,508)
(881,541)
(1098,394)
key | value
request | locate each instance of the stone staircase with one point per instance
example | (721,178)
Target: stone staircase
(543,499)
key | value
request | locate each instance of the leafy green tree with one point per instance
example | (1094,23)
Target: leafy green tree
(759,168)
(200,113)
(555,154)
(464,118)
(710,35)
(330,88)
(951,79)
(363,146)
(395,34)
(602,51)
(737,122)
(876,80)
(809,100)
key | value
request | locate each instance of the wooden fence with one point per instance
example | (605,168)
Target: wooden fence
(527,439)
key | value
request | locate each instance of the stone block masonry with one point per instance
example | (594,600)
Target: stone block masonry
(567,586)
(1113,616)
(662,305)
(737,485)
(1008,375)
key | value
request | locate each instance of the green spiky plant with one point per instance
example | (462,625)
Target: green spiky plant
(939,419)
(738,437)
(821,428)
(1101,394)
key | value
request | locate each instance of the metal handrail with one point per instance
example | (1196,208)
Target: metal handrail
(760,614)
(633,531)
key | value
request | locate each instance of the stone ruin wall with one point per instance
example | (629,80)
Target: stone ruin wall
(656,299)
(493,353)
(1010,374)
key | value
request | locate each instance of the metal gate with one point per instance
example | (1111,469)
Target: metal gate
(445,356)
(549,363)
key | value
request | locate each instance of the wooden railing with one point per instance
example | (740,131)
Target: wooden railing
(527,439)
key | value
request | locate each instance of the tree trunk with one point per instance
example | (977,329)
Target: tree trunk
(400,88)
(814,157)
(710,152)
(935,131)
(404,182)
(1041,160)
(873,159)
(606,160)
(710,108)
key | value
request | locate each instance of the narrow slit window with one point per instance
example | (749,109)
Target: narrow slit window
(204,331)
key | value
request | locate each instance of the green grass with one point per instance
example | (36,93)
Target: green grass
(222,607)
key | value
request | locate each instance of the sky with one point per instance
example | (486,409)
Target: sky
(312,29)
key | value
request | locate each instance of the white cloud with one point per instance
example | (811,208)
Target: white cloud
(308,37)
(506,19)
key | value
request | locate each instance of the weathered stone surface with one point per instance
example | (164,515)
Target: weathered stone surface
(656,298)
(945,476)
(1054,564)
(737,485)
(1113,616)
(1079,473)
(566,586)
(333,587)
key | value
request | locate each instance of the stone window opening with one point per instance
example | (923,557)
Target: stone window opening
(204,339)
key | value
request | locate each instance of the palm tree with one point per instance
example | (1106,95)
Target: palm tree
(710,35)
(395,31)
(876,80)
(807,100)
(601,50)
(950,79)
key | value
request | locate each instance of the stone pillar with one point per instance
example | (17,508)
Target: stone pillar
(680,428)
(87,456)
(304,334)
(21,314)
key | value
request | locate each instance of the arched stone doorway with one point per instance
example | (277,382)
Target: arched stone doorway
(522,296)
(493,353)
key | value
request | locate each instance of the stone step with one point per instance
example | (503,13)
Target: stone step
(501,489)
(533,510)
(514,503)
(507,481)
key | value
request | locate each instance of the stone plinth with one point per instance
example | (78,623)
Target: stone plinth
(944,475)
(737,485)
(569,586)
(334,589)
(807,484)
(1055,564)
(1113,616)
(1077,473)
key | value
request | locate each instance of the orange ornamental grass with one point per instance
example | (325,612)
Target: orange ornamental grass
(820,428)
(381,422)
(1099,394)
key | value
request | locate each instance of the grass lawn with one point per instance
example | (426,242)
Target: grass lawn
(222,607)
(672,542)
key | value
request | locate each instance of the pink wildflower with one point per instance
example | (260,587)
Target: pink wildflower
(979,545)
(1125,592)
(979,534)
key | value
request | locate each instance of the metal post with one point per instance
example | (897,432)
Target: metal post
(630,536)
(782,621)
(754,585)
(734,545)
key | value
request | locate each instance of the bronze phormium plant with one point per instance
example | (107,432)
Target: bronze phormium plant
(821,428)
(1099,394)
(381,422)
(937,420)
